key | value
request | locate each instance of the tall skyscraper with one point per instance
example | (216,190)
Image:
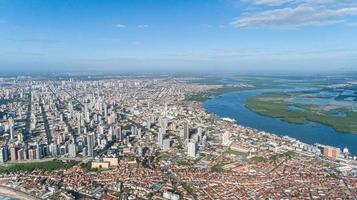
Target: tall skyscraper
(38,151)
(139,132)
(86,113)
(166,144)
(13,153)
(3,154)
(90,144)
(186,133)
(72,150)
(105,109)
(53,149)
(160,137)
(32,154)
(191,149)
(12,132)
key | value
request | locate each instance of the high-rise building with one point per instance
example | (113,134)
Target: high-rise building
(199,134)
(105,109)
(90,144)
(110,133)
(139,132)
(21,154)
(13,153)
(20,137)
(3,154)
(160,137)
(12,132)
(32,154)
(118,133)
(86,113)
(166,144)
(191,149)
(38,152)
(72,150)
(186,131)
(54,149)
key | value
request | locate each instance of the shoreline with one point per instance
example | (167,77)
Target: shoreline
(307,120)
(13,193)
(280,135)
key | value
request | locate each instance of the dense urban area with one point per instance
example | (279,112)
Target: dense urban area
(144,137)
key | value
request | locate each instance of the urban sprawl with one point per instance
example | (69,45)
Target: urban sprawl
(140,138)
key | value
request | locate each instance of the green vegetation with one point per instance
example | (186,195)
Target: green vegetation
(288,155)
(88,167)
(258,159)
(274,157)
(29,167)
(276,105)
(202,96)
(187,188)
(128,190)
(235,152)
(219,166)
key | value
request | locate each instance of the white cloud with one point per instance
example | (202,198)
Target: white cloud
(271,2)
(297,13)
(119,25)
(142,26)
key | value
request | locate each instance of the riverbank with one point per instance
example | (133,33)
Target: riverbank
(203,96)
(275,105)
(232,105)
(15,194)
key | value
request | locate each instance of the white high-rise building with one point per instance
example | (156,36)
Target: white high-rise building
(53,149)
(160,136)
(12,132)
(139,132)
(86,113)
(38,151)
(191,149)
(72,150)
(166,144)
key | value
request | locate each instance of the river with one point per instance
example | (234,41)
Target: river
(232,105)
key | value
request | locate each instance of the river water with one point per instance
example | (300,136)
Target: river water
(232,105)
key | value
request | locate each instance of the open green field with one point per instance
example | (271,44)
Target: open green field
(277,105)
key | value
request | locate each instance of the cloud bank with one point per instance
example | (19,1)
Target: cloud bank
(295,13)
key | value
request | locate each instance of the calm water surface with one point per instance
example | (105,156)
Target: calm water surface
(232,105)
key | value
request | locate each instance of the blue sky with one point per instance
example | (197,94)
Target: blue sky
(146,35)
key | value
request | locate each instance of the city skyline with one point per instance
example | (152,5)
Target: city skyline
(231,35)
